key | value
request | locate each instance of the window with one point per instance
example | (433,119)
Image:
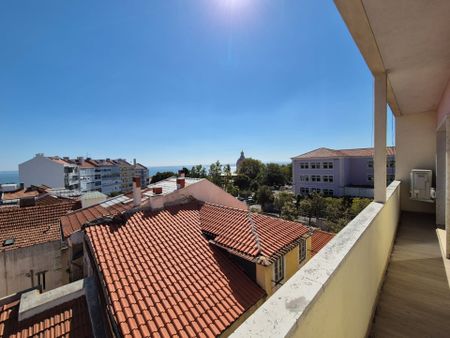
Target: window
(370,178)
(327,165)
(304,191)
(390,163)
(278,270)
(302,250)
(390,178)
(315,165)
(328,178)
(304,165)
(315,178)
(328,192)
(304,178)
(370,164)
(315,190)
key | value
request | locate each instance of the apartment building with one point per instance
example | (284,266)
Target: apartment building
(387,273)
(338,172)
(83,174)
(51,171)
(142,172)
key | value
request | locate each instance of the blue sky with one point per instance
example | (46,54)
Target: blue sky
(179,81)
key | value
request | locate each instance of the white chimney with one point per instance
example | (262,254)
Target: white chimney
(137,191)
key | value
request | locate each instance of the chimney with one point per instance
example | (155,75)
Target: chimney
(181,173)
(157,190)
(134,161)
(137,191)
(181,182)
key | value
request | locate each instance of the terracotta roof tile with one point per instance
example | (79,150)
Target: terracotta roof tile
(357,152)
(249,233)
(178,259)
(319,239)
(68,319)
(31,225)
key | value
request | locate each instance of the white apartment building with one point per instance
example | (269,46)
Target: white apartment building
(104,175)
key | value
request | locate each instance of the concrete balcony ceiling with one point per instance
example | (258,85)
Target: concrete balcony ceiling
(410,40)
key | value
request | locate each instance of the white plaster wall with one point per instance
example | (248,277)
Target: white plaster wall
(15,264)
(335,292)
(415,149)
(41,170)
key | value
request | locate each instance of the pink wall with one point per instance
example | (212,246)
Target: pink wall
(444,106)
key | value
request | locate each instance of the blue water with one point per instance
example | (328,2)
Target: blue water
(9,177)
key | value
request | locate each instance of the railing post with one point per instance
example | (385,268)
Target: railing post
(379,160)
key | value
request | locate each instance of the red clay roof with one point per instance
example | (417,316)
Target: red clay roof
(73,221)
(250,234)
(357,152)
(163,277)
(18,194)
(319,239)
(32,225)
(68,319)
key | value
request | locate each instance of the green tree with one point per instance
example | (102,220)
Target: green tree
(159,176)
(185,171)
(318,204)
(215,173)
(264,196)
(273,175)
(251,168)
(289,211)
(282,198)
(242,182)
(306,209)
(358,204)
(286,169)
(198,171)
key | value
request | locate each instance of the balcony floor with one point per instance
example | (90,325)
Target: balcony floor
(415,297)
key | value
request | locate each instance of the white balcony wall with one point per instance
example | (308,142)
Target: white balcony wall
(335,293)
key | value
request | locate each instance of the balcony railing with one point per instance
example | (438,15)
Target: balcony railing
(335,293)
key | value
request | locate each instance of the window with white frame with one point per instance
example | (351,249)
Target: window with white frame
(302,250)
(304,178)
(327,165)
(304,165)
(315,190)
(328,192)
(278,270)
(328,178)
(304,191)
(315,178)
(370,164)
(315,165)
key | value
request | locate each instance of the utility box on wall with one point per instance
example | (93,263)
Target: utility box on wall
(421,190)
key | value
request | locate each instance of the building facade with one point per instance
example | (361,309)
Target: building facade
(83,174)
(344,172)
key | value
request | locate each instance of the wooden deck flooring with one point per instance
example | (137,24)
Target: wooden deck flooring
(415,297)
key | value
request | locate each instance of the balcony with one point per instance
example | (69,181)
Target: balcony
(337,293)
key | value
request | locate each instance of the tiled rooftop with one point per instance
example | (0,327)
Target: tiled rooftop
(69,319)
(357,152)
(32,225)
(319,239)
(250,234)
(163,277)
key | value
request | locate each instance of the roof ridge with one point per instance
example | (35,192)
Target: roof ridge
(254,232)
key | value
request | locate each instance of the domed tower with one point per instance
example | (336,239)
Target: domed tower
(239,161)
